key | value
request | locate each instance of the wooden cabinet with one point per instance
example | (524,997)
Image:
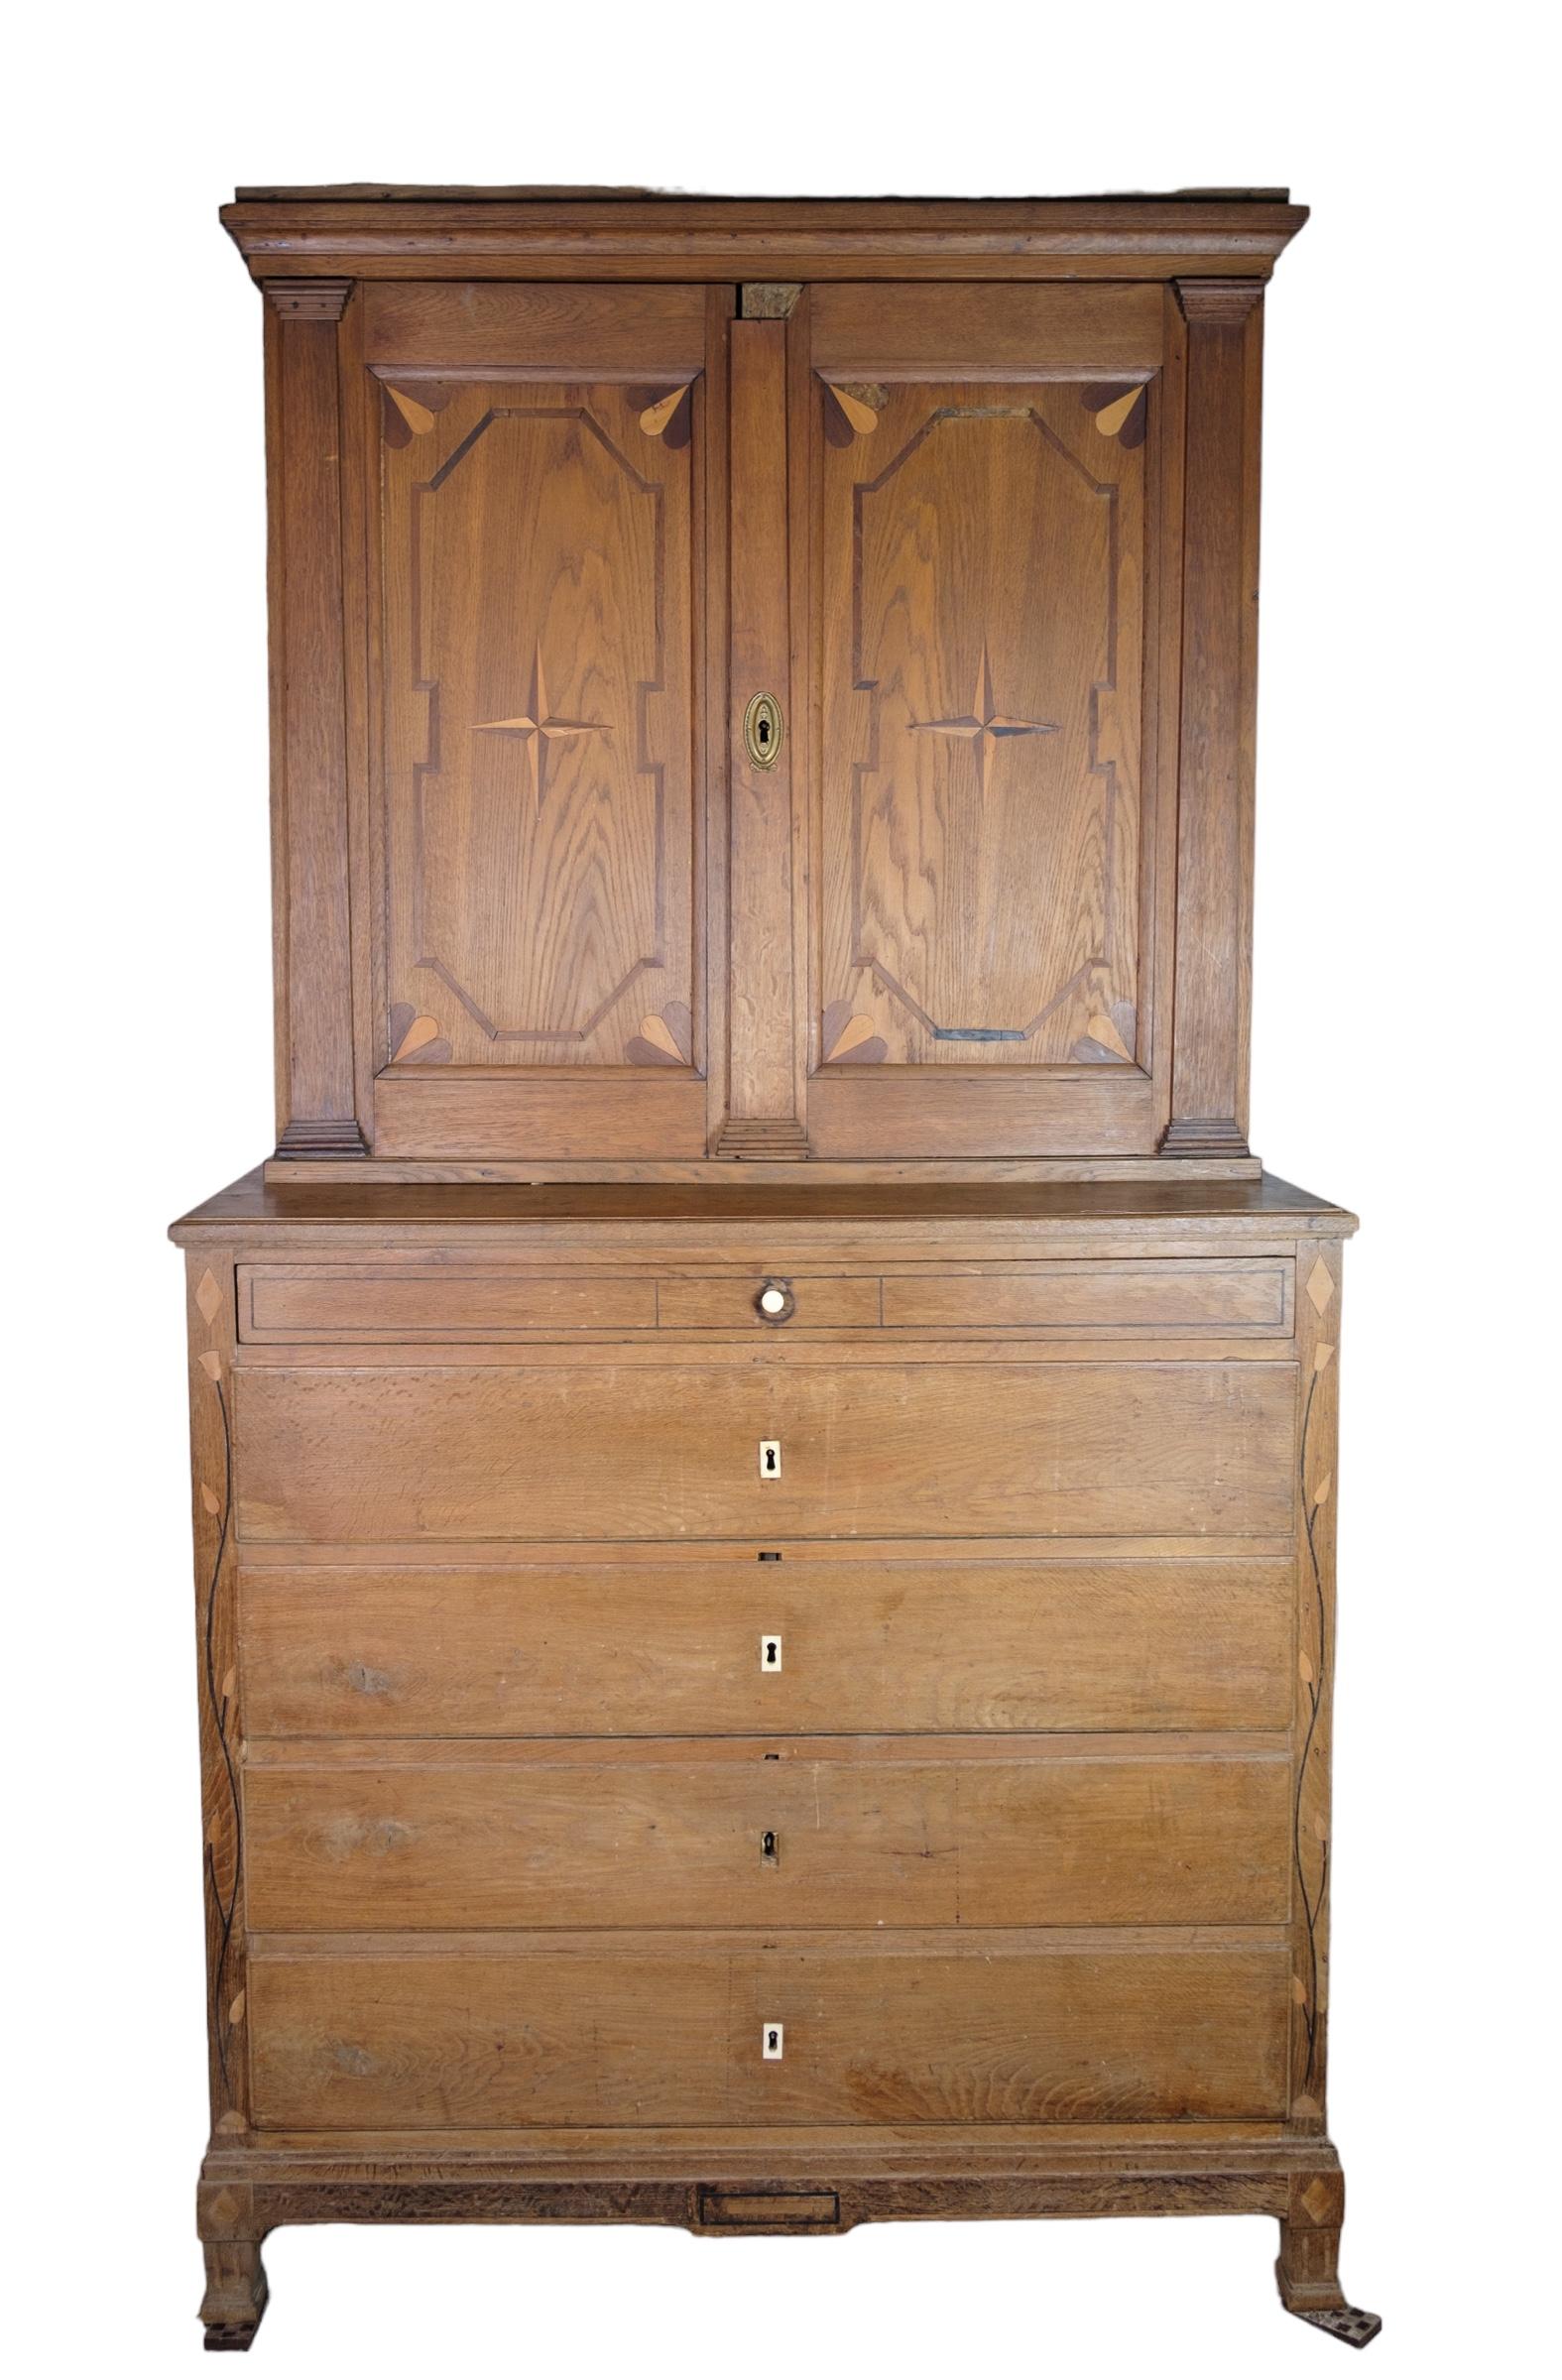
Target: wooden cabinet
(763,1447)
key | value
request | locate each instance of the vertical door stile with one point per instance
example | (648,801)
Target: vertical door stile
(763,1115)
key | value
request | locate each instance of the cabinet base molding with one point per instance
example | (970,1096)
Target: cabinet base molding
(736,2184)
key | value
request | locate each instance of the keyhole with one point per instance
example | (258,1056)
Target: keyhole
(764,731)
(770,1458)
(768,1845)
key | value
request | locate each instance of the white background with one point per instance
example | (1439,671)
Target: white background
(1403,1063)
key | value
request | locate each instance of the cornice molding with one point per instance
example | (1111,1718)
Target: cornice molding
(647,238)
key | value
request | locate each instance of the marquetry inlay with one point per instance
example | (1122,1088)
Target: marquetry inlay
(666,1039)
(414,1036)
(845,1034)
(852,409)
(1320,1286)
(984,725)
(669,417)
(537,728)
(1121,413)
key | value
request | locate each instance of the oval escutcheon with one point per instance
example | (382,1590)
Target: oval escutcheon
(762,730)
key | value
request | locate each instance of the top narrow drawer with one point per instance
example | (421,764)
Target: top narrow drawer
(408,1302)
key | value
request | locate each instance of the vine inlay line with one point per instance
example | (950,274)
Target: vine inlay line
(226,1911)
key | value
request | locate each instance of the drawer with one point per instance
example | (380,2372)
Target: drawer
(390,1454)
(1142,1300)
(408,1302)
(649,1647)
(390,1303)
(823,1301)
(387,2032)
(1072,1832)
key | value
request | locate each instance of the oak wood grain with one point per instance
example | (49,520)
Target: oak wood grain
(470,1452)
(1075,1831)
(917,1644)
(892,2028)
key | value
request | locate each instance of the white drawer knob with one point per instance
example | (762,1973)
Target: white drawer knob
(775,1301)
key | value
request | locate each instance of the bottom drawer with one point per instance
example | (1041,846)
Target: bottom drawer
(367,2034)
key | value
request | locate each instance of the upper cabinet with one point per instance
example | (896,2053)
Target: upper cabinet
(757,718)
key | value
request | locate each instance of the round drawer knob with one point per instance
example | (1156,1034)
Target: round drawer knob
(775,1301)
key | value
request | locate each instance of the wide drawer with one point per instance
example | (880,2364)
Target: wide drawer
(1075,1831)
(389,2032)
(715,1645)
(413,1301)
(390,1454)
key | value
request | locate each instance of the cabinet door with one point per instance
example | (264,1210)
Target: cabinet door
(993,478)
(536,460)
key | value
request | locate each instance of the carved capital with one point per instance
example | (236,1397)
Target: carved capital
(769,300)
(1225,303)
(308,301)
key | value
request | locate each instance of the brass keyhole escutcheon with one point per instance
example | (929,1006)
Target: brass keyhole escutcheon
(763,731)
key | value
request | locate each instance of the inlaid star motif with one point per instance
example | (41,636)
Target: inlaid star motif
(537,728)
(984,724)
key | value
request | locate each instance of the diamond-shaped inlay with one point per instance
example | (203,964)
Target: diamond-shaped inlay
(1318,2201)
(208,1295)
(1320,1286)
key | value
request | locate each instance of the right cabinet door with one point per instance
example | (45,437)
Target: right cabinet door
(994,502)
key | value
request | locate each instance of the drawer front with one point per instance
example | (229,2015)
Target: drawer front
(391,1454)
(719,1646)
(1143,1300)
(1082,1833)
(387,2034)
(409,1302)
(841,1301)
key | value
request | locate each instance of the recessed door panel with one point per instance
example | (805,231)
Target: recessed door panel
(539,602)
(984,813)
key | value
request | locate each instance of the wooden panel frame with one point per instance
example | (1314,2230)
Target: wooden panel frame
(1220,599)
(317,1112)
(760,1110)
(911,1115)
(616,333)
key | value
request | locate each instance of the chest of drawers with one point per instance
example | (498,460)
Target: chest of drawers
(601,1820)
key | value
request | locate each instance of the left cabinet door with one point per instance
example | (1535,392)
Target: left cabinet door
(536,467)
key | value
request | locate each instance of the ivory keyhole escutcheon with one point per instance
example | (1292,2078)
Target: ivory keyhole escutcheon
(772,2040)
(770,1655)
(770,1458)
(762,731)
